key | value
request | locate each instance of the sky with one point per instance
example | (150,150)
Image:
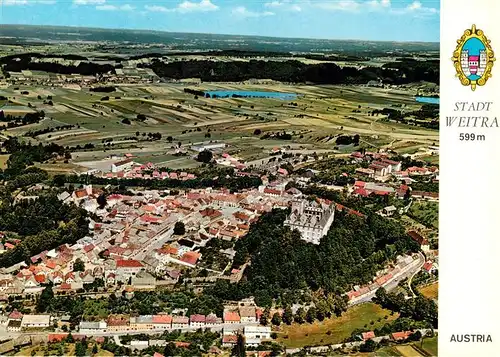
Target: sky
(374,20)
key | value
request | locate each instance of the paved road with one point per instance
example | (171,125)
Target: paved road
(5,335)
(415,273)
(394,282)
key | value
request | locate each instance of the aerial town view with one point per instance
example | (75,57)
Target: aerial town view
(169,191)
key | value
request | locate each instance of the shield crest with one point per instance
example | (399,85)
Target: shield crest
(473,58)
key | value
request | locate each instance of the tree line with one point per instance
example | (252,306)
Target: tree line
(232,183)
(294,71)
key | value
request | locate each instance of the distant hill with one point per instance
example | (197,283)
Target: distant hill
(20,34)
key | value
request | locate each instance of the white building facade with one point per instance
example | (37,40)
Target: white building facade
(311,219)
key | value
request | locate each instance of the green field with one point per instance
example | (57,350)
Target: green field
(314,119)
(427,348)
(336,329)
(426,213)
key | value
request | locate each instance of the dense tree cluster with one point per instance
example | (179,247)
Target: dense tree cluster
(296,71)
(24,62)
(28,118)
(350,254)
(347,140)
(281,263)
(35,133)
(107,89)
(23,155)
(205,156)
(232,183)
(416,71)
(41,224)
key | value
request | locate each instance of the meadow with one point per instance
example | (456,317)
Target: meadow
(336,329)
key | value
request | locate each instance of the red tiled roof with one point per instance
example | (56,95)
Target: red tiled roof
(368,335)
(182,344)
(401,335)
(197,318)
(180,320)
(418,238)
(15,315)
(40,278)
(272,191)
(361,192)
(81,193)
(190,257)
(57,337)
(128,264)
(427,266)
(230,339)
(162,319)
(360,184)
(117,321)
(231,316)
(88,248)
(168,250)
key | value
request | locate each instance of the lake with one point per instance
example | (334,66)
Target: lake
(427,100)
(250,94)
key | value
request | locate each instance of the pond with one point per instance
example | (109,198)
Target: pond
(427,100)
(249,94)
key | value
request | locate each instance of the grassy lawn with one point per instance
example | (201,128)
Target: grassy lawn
(430,345)
(334,330)
(430,291)
(103,353)
(3,161)
(386,352)
(407,351)
(96,308)
(60,168)
(426,213)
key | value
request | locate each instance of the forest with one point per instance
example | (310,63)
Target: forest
(41,224)
(11,64)
(23,155)
(296,72)
(232,183)
(350,254)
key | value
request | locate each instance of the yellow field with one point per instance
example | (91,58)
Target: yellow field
(335,329)
(407,351)
(3,161)
(430,291)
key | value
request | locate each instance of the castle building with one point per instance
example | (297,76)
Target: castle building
(311,218)
(473,64)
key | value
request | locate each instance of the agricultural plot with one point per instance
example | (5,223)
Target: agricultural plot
(430,291)
(316,117)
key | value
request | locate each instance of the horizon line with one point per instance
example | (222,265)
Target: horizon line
(219,34)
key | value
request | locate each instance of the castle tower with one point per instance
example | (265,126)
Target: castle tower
(464,62)
(482,63)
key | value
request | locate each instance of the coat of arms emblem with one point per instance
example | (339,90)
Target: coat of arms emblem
(473,58)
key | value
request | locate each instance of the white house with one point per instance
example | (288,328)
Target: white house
(248,314)
(122,165)
(91,327)
(35,321)
(254,335)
